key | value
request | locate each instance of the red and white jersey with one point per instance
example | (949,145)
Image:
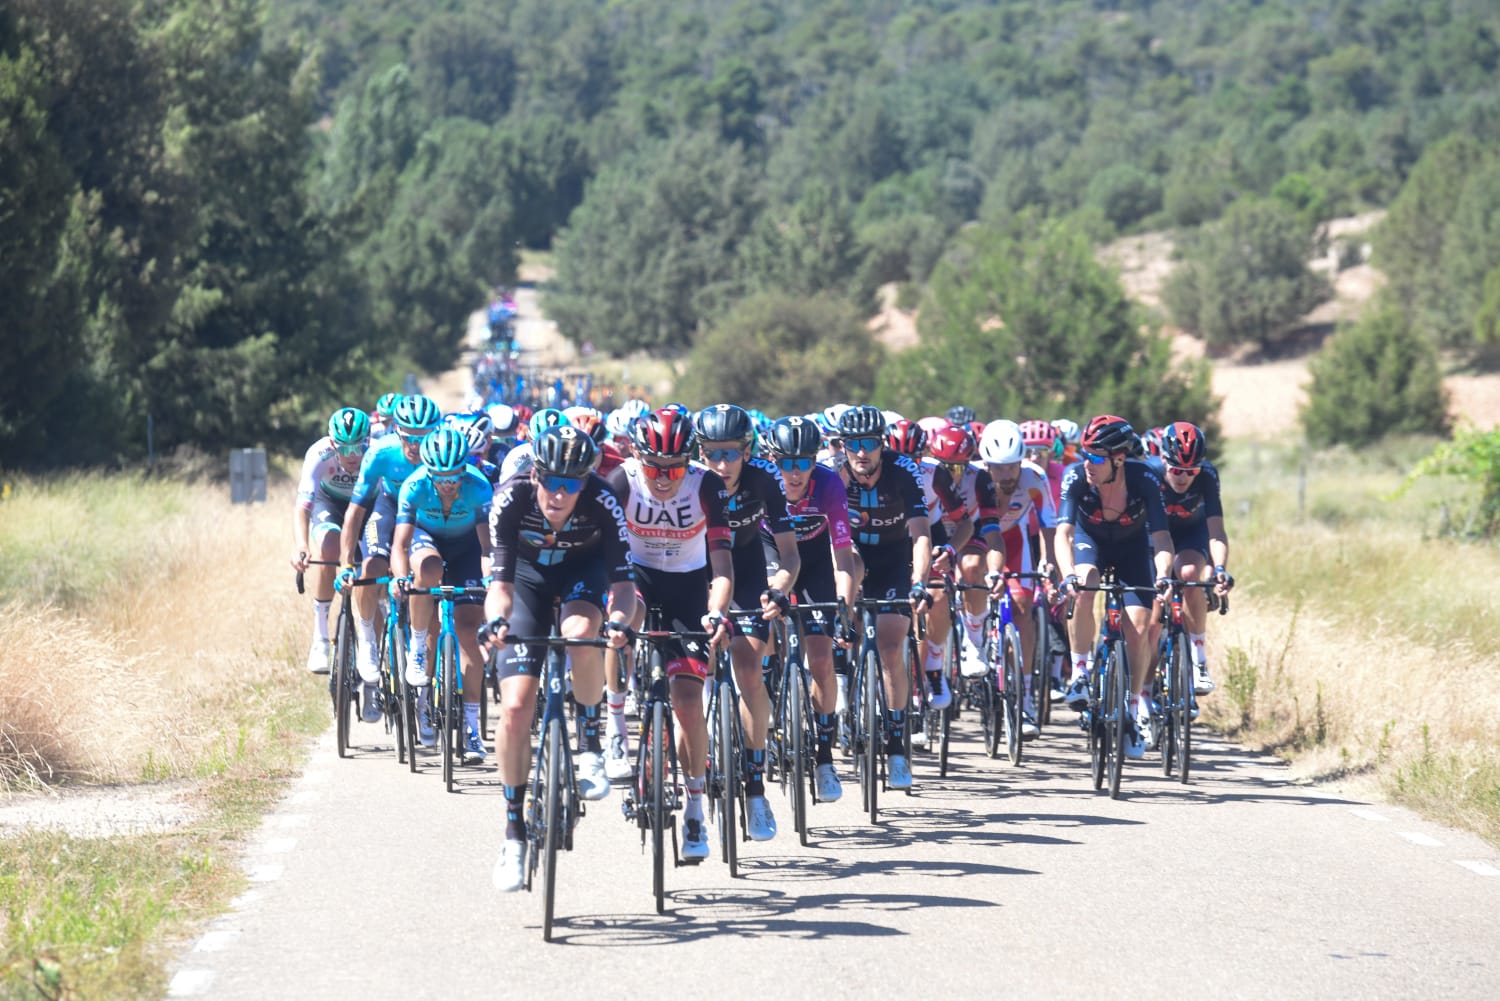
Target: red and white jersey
(676,534)
(1032,494)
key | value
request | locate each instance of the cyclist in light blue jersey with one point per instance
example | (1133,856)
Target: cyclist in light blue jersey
(442,531)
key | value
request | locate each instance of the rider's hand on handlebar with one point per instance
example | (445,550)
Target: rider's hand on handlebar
(719,626)
(618,633)
(492,634)
(774,603)
(1163,586)
(943,559)
(1223,580)
(1069,585)
(920,599)
(299,561)
(345,577)
(994,580)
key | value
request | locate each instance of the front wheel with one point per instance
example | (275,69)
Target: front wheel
(1182,708)
(552,821)
(870,715)
(1118,714)
(452,711)
(725,778)
(794,744)
(343,680)
(1014,699)
(656,789)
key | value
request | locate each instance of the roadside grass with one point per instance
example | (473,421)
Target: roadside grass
(159,639)
(1361,639)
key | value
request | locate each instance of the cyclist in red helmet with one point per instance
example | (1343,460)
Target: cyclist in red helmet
(1112,515)
(1195,517)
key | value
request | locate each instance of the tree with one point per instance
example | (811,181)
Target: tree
(805,249)
(1245,278)
(1125,193)
(1028,323)
(784,354)
(463,66)
(1374,378)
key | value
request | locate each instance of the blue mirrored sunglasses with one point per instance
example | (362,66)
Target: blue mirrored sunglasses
(800,465)
(1094,460)
(723,454)
(566,484)
(446,479)
(871,444)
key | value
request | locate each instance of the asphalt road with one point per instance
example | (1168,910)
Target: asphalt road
(369,882)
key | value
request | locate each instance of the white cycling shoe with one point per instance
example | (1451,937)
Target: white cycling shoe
(759,821)
(593,779)
(830,789)
(510,869)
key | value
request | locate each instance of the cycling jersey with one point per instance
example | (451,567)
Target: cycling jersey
(421,505)
(1032,496)
(758,495)
(1143,513)
(878,513)
(676,534)
(322,475)
(385,468)
(1195,505)
(948,503)
(825,506)
(517,460)
(595,531)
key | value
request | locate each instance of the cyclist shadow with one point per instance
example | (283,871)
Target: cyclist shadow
(902,828)
(803,868)
(749,913)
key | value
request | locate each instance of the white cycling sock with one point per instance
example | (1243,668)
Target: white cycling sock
(320,619)
(366,631)
(419,641)
(617,726)
(1200,648)
(934,659)
(1080,665)
(694,808)
(471,716)
(974,626)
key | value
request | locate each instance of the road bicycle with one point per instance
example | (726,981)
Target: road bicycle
(343,678)
(867,706)
(1108,715)
(448,679)
(792,747)
(725,788)
(1174,704)
(1003,653)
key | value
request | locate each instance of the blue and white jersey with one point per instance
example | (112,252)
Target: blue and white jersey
(421,505)
(385,468)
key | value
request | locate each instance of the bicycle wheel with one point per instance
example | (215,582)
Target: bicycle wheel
(552,833)
(794,739)
(408,707)
(452,714)
(657,790)
(1041,664)
(992,699)
(1182,707)
(870,719)
(343,680)
(1116,713)
(950,673)
(1014,698)
(1098,732)
(723,778)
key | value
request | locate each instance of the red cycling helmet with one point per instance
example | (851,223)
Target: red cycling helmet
(906,437)
(1183,445)
(664,433)
(952,445)
(1038,434)
(1108,435)
(976,429)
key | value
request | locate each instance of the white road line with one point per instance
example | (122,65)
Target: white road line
(1367,814)
(186,983)
(1482,868)
(1417,838)
(215,941)
(263,873)
(278,846)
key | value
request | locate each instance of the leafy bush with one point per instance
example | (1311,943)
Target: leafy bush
(1125,193)
(1473,455)
(1374,378)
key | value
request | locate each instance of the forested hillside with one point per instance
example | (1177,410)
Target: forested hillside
(230,214)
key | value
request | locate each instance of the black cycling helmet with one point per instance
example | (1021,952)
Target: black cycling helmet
(1109,435)
(961,414)
(862,422)
(724,422)
(563,450)
(795,438)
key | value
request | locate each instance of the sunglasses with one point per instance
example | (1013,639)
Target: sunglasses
(957,470)
(723,454)
(446,479)
(665,472)
(358,448)
(410,439)
(1184,470)
(801,465)
(1094,460)
(871,444)
(561,484)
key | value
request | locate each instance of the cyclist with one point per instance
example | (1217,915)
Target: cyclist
(503,427)
(976,553)
(383,421)
(518,459)
(1070,433)
(888,515)
(961,415)
(680,547)
(370,523)
(558,536)
(441,535)
(1044,449)
(592,422)
(725,433)
(1112,515)
(1021,495)
(1195,517)
(329,471)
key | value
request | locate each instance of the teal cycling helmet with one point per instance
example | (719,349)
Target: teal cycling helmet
(544,419)
(349,426)
(417,413)
(445,451)
(386,405)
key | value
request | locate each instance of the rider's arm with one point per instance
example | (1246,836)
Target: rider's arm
(960,531)
(400,543)
(1063,549)
(845,578)
(500,598)
(921,549)
(354,518)
(721,584)
(1218,542)
(1165,555)
(788,562)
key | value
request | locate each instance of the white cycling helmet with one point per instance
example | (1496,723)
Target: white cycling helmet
(503,419)
(634,408)
(891,417)
(1070,433)
(1001,443)
(834,412)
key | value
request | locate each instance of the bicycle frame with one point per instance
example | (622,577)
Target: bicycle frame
(448,684)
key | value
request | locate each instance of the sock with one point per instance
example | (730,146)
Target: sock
(1026,685)
(320,620)
(419,642)
(1080,665)
(590,728)
(694,808)
(934,659)
(617,714)
(755,772)
(515,825)
(895,721)
(934,681)
(365,630)
(1200,651)
(824,753)
(973,624)
(471,716)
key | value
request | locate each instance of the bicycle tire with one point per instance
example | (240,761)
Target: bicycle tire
(343,666)
(721,769)
(1041,664)
(1165,691)
(657,792)
(1182,710)
(1119,675)
(1014,698)
(552,821)
(408,703)
(1098,731)
(452,714)
(950,674)
(992,699)
(870,710)
(795,735)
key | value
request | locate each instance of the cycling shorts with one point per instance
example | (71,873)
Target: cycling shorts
(327,516)
(461,560)
(888,574)
(537,589)
(682,599)
(815,583)
(1191,538)
(750,581)
(1131,560)
(380,528)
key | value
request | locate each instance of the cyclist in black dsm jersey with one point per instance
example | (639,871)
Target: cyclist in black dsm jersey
(888,518)
(558,534)
(1112,515)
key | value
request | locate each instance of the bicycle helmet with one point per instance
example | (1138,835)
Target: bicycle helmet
(931,424)
(386,405)
(618,423)
(834,412)
(1067,431)
(417,413)
(826,427)
(1001,443)
(1151,441)
(445,451)
(724,422)
(760,419)
(349,426)
(543,419)
(503,420)
(478,441)
(864,421)
(679,409)
(523,413)
(1038,434)
(795,438)
(906,437)
(952,445)
(1109,435)
(664,433)
(588,420)
(635,408)
(961,414)
(563,450)
(1183,445)
(891,417)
